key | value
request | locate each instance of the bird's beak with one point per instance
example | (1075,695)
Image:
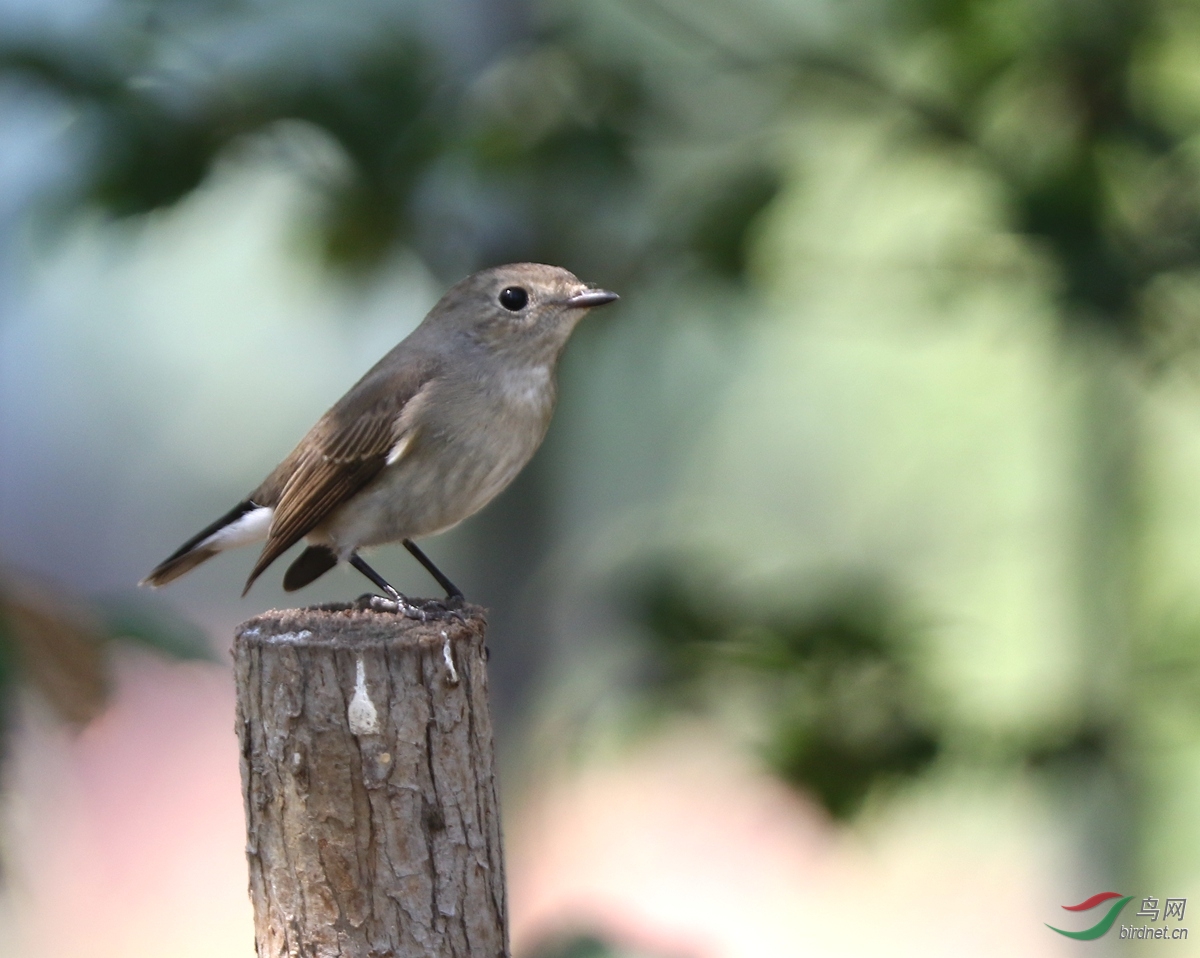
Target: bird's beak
(591,297)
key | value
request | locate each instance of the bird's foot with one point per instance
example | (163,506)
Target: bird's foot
(397,604)
(423,610)
(450,607)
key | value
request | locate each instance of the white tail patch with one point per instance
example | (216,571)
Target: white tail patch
(252,527)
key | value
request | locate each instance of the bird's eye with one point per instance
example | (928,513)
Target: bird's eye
(513,298)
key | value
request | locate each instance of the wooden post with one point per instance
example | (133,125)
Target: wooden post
(367,771)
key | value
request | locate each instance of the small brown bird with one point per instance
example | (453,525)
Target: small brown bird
(430,435)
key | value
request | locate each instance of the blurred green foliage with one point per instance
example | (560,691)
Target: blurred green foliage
(585,945)
(138,618)
(832,677)
(1064,104)
(526,163)
(581,946)
(718,234)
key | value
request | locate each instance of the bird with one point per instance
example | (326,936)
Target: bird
(426,438)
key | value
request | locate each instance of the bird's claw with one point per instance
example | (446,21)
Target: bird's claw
(397,605)
(448,608)
(422,610)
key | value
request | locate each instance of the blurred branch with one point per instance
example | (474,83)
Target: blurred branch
(58,642)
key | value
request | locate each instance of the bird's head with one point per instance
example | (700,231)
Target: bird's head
(523,310)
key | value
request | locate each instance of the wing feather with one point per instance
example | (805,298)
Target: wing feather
(342,453)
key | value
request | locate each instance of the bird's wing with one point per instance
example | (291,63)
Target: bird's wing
(369,428)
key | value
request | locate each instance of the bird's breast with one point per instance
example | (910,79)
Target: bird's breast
(471,442)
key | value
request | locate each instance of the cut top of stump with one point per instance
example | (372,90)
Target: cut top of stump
(354,627)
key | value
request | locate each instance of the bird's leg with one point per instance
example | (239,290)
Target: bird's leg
(454,596)
(401,602)
(361,565)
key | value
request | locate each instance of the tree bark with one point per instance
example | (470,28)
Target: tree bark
(367,772)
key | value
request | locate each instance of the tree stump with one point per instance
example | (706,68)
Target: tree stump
(372,821)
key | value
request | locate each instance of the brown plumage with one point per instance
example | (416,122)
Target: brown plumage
(343,452)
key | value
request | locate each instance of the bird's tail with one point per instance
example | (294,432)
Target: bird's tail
(245,523)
